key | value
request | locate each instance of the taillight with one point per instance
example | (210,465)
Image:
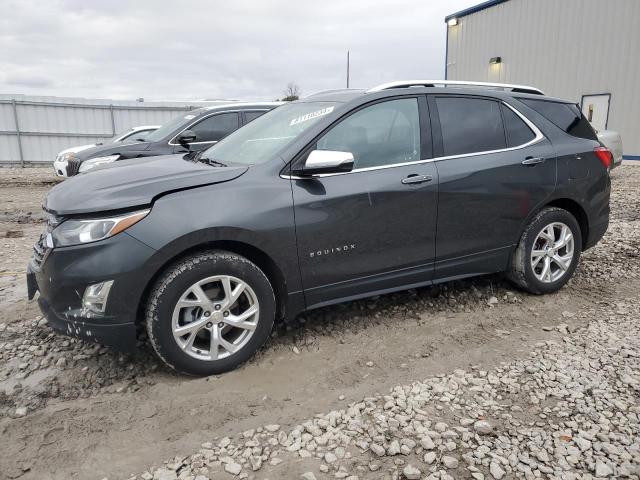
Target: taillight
(604,155)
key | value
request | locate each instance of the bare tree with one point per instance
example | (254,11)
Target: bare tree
(292,92)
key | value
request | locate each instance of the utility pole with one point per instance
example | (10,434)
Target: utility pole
(347,68)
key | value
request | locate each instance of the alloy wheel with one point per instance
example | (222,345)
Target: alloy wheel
(215,317)
(552,253)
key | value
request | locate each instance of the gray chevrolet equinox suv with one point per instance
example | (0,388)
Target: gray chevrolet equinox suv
(342,195)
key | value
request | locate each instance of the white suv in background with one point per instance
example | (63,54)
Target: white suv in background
(132,134)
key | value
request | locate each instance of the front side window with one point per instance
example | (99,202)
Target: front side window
(260,140)
(215,127)
(385,133)
(470,125)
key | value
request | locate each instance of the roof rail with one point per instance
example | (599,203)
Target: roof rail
(456,83)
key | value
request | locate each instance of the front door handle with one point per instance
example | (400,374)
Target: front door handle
(532,160)
(413,179)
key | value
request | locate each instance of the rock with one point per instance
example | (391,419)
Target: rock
(483,427)
(330,458)
(308,476)
(233,468)
(429,457)
(603,470)
(21,411)
(272,428)
(427,443)
(394,448)
(165,474)
(496,470)
(492,301)
(450,462)
(377,449)
(411,473)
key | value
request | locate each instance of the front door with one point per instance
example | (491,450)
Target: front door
(495,168)
(373,229)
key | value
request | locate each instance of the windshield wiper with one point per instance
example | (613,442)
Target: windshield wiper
(213,162)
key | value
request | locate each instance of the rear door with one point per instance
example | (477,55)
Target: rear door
(372,229)
(495,167)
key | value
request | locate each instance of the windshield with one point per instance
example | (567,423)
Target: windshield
(259,140)
(173,124)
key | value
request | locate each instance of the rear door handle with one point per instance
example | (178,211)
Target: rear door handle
(532,160)
(413,179)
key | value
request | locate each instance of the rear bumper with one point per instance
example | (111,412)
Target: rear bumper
(596,232)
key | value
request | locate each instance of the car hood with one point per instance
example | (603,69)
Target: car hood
(133,183)
(109,148)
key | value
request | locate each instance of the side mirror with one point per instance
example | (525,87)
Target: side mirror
(327,161)
(185,137)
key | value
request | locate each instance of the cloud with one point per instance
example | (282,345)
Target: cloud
(193,49)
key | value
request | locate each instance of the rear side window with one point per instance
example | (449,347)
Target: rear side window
(518,132)
(215,127)
(470,125)
(250,116)
(565,116)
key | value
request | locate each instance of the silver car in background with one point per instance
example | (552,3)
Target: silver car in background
(131,134)
(613,141)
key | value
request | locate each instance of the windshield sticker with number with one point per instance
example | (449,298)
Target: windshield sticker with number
(309,116)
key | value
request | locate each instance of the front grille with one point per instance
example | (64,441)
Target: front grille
(41,250)
(73,166)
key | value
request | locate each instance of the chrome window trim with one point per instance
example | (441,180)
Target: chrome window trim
(200,120)
(538,137)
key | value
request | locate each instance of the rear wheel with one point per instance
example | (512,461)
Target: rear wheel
(210,312)
(548,252)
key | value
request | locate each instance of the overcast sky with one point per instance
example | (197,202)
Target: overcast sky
(195,49)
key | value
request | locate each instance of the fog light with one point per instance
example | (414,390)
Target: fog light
(95,296)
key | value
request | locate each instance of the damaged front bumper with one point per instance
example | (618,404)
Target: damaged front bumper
(120,336)
(62,275)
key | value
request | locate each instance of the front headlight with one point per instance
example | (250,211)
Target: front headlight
(94,162)
(75,232)
(65,157)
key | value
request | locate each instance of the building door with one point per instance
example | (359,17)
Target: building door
(596,109)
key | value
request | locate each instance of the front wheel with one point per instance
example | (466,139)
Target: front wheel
(548,252)
(210,312)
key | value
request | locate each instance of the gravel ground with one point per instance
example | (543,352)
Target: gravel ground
(510,385)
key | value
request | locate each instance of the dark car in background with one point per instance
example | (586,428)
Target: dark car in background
(339,196)
(191,131)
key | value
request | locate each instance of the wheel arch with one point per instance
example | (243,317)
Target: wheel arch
(250,252)
(575,209)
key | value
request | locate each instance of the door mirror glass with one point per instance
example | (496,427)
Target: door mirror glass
(185,137)
(327,161)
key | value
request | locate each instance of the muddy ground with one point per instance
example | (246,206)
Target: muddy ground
(72,410)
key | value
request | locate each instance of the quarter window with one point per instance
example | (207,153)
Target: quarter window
(215,127)
(470,125)
(566,116)
(518,132)
(382,134)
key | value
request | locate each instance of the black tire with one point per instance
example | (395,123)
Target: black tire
(178,278)
(521,272)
